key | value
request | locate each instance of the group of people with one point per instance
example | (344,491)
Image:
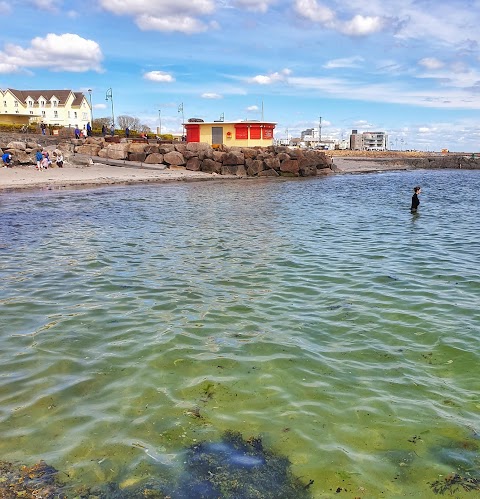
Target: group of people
(112,130)
(44,161)
(83,134)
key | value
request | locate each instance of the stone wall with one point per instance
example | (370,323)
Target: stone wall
(270,161)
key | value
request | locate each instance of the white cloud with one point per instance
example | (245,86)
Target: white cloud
(362,26)
(183,24)
(5,8)
(160,15)
(431,63)
(314,11)
(159,76)
(347,62)
(254,5)
(271,78)
(252,109)
(67,52)
(100,106)
(211,95)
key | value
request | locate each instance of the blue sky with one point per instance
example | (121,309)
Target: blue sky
(410,68)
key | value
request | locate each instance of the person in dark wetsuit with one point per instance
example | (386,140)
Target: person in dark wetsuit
(415,201)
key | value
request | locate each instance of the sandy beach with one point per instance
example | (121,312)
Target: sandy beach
(74,176)
(17,178)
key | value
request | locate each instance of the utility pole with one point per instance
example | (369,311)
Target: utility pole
(319,130)
(160,121)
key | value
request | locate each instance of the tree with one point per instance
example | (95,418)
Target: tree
(125,121)
(145,129)
(99,122)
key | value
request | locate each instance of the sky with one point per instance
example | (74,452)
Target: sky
(407,68)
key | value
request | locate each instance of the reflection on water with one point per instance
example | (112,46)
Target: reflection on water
(318,314)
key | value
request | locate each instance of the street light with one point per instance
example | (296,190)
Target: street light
(160,121)
(109,95)
(91,107)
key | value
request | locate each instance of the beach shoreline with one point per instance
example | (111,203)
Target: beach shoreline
(72,176)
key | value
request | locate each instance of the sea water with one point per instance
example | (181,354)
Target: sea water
(319,315)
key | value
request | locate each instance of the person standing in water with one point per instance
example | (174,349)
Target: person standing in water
(415,201)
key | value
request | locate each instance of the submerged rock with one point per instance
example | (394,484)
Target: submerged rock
(237,468)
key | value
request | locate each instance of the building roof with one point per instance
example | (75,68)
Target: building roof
(61,95)
(246,122)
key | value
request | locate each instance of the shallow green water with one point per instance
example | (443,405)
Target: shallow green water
(318,314)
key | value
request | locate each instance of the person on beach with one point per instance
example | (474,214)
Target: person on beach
(112,130)
(127,132)
(415,201)
(59,158)
(77,132)
(6,158)
(104,130)
(89,130)
(39,158)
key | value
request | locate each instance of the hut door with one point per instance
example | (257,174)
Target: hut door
(217,134)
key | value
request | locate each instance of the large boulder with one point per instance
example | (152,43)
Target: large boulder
(255,167)
(218,156)
(22,158)
(164,148)
(150,149)
(210,166)
(234,157)
(88,149)
(180,147)
(207,154)
(136,147)
(231,169)
(249,153)
(290,166)
(154,159)
(174,158)
(116,151)
(197,146)
(17,145)
(193,164)
(268,173)
(283,156)
(272,162)
(139,157)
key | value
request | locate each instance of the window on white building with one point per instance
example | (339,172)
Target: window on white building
(16,103)
(4,103)
(84,116)
(55,114)
(42,103)
(43,114)
(69,114)
(31,112)
(30,103)
(75,114)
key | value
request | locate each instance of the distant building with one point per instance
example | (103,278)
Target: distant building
(52,107)
(235,133)
(368,141)
(311,139)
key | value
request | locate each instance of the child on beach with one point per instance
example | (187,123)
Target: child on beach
(415,201)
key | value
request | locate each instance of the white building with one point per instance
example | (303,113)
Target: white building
(368,141)
(52,107)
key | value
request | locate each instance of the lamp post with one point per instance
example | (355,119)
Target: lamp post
(160,122)
(91,107)
(109,95)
